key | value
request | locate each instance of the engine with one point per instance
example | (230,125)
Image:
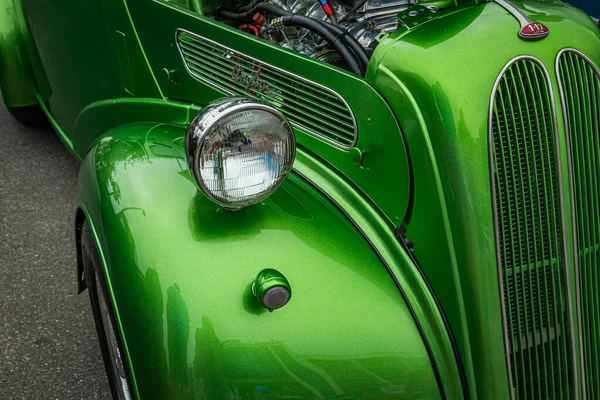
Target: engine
(339,33)
(368,23)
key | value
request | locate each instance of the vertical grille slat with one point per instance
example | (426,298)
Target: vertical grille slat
(535,197)
(579,81)
(529,225)
(564,374)
(545,230)
(529,250)
(508,235)
(311,107)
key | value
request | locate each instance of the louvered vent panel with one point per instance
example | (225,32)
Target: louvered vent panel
(580,84)
(529,234)
(309,106)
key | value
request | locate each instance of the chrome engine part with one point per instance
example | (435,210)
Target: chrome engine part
(368,24)
(369,31)
(380,10)
(313,9)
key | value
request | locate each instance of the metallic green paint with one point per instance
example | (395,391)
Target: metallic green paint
(444,115)
(16,79)
(180,270)
(91,122)
(35,63)
(99,49)
(381,233)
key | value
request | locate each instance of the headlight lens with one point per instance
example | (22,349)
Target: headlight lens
(240,151)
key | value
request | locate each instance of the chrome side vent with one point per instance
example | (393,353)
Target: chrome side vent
(530,243)
(310,107)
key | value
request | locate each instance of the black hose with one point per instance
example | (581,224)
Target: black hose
(359,54)
(242,8)
(336,41)
(355,46)
(222,13)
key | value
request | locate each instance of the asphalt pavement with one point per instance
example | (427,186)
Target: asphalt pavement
(48,343)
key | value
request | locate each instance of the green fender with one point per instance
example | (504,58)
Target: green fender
(179,270)
(16,77)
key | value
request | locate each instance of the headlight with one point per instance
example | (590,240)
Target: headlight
(239,151)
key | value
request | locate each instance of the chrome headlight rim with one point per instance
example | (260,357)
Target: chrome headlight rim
(201,126)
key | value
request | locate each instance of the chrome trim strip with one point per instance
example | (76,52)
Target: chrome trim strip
(497,229)
(518,14)
(572,194)
(227,91)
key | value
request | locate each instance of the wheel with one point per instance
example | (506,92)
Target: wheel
(32,116)
(108,335)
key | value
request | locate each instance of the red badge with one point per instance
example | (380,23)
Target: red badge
(533,31)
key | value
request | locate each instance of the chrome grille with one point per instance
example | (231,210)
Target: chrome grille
(579,81)
(309,106)
(529,233)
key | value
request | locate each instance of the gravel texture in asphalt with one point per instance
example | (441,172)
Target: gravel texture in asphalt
(48,343)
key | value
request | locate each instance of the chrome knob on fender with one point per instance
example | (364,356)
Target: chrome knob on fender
(271,289)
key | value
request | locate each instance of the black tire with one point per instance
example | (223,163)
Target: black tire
(32,116)
(116,372)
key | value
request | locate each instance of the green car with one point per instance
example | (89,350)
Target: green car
(302,199)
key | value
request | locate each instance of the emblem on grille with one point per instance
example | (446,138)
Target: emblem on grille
(533,31)
(249,81)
